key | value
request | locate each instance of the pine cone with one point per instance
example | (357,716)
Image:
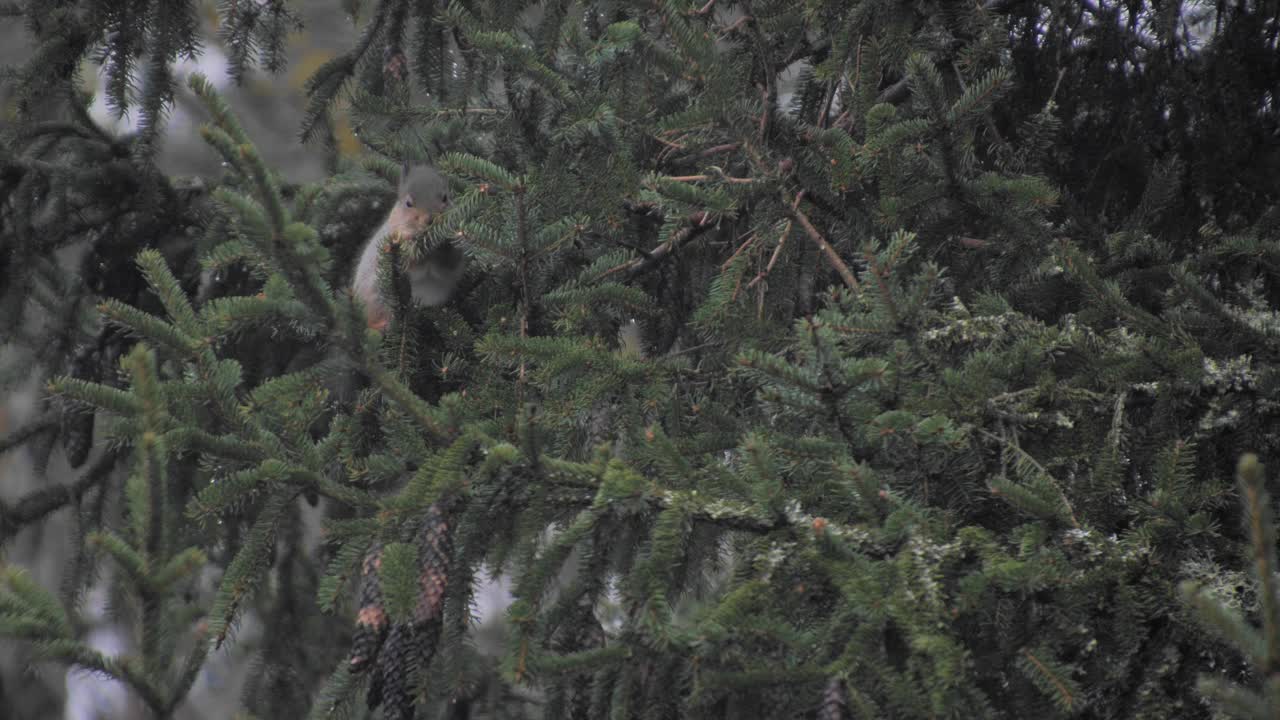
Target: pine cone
(397,668)
(408,646)
(371,618)
(435,548)
(395,66)
(373,698)
(835,701)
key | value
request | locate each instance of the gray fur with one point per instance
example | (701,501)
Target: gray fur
(428,189)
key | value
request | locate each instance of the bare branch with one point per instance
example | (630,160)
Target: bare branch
(832,257)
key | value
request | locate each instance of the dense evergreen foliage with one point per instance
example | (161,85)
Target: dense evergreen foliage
(917,392)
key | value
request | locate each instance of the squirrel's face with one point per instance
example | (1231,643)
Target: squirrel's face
(423,195)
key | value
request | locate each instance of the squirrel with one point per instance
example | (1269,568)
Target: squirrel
(422,196)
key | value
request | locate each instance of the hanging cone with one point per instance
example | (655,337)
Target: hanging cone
(409,646)
(835,701)
(398,666)
(373,698)
(371,618)
(435,548)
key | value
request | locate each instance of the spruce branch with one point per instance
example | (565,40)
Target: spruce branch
(247,569)
(822,508)
(1053,678)
(1039,493)
(38,504)
(886,295)
(522,277)
(481,169)
(419,409)
(1262,536)
(1109,293)
(134,565)
(325,84)
(32,428)
(146,326)
(125,670)
(293,247)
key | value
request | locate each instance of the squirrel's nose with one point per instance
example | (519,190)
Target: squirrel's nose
(421,221)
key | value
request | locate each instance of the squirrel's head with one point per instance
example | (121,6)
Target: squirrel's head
(423,195)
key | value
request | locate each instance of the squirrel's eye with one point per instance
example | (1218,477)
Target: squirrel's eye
(408,202)
(444,199)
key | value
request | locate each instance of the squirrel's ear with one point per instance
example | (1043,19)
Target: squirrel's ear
(403,186)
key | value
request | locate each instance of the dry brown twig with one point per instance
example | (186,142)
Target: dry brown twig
(696,224)
(833,258)
(782,242)
(705,178)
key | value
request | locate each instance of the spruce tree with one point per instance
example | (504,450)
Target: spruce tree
(826,359)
